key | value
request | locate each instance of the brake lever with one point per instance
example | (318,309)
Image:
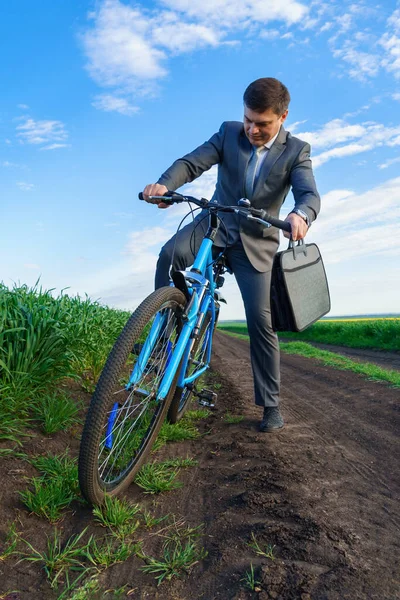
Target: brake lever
(259,220)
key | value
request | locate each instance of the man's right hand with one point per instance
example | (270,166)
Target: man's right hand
(155,189)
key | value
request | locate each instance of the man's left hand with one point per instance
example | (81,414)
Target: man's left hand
(299,227)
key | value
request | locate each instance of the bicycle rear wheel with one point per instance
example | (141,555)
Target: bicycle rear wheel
(197,359)
(123,420)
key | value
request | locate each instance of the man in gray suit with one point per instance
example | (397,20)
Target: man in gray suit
(260,160)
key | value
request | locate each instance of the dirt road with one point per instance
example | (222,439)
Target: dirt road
(325,491)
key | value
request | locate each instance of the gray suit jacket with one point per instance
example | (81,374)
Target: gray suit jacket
(286,165)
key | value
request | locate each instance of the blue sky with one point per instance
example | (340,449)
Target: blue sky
(99,98)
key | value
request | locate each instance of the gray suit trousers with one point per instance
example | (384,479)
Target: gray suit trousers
(255,289)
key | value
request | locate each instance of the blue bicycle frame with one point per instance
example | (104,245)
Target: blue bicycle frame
(200,286)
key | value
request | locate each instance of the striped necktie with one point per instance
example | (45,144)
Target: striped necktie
(252,169)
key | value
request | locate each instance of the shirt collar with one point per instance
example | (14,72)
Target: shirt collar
(269,144)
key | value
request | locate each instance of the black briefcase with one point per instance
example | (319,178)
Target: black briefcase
(299,287)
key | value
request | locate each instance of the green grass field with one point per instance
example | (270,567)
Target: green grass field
(375,333)
(48,343)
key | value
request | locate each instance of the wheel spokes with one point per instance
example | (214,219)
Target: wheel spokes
(128,422)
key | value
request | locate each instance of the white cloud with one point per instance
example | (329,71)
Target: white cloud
(41,132)
(55,146)
(128,46)
(352,225)
(140,241)
(396,96)
(109,103)
(23,106)
(270,34)
(33,266)
(340,152)
(363,44)
(332,133)
(389,162)
(362,64)
(361,137)
(204,186)
(184,37)
(126,283)
(25,187)
(326,27)
(119,47)
(7,141)
(238,13)
(390,42)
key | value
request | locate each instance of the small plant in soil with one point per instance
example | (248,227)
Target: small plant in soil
(250,580)
(88,591)
(118,592)
(111,551)
(268,551)
(179,462)
(11,542)
(56,412)
(155,478)
(48,497)
(12,425)
(197,415)
(178,557)
(184,430)
(58,559)
(119,515)
(229,418)
(180,532)
(151,521)
(58,466)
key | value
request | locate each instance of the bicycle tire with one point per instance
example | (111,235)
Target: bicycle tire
(181,400)
(93,484)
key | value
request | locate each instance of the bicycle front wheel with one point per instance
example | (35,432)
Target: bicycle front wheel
(125,416)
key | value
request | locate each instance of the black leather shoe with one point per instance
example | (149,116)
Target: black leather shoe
(272,419)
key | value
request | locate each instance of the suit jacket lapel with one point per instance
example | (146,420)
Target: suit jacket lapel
(273,154)
(244,153)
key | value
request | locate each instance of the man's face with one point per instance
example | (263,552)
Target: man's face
(260,128)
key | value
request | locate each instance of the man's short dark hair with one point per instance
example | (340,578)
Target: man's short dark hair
(266,93)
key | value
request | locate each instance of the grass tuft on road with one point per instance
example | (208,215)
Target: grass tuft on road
(56,412)
(58,559)
(156,478)
(48,498)
(118,515)
(180,552)
(232,419)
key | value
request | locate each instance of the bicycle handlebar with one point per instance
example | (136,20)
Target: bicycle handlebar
(248,212)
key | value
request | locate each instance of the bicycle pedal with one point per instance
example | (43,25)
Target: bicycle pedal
(207,398)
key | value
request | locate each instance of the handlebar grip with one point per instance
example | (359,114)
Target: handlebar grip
(167,198)
(285,225)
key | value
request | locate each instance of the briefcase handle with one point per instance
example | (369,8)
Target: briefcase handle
(301,247)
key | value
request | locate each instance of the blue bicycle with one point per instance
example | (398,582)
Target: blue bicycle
(151,371)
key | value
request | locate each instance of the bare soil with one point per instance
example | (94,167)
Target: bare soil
(324,492)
